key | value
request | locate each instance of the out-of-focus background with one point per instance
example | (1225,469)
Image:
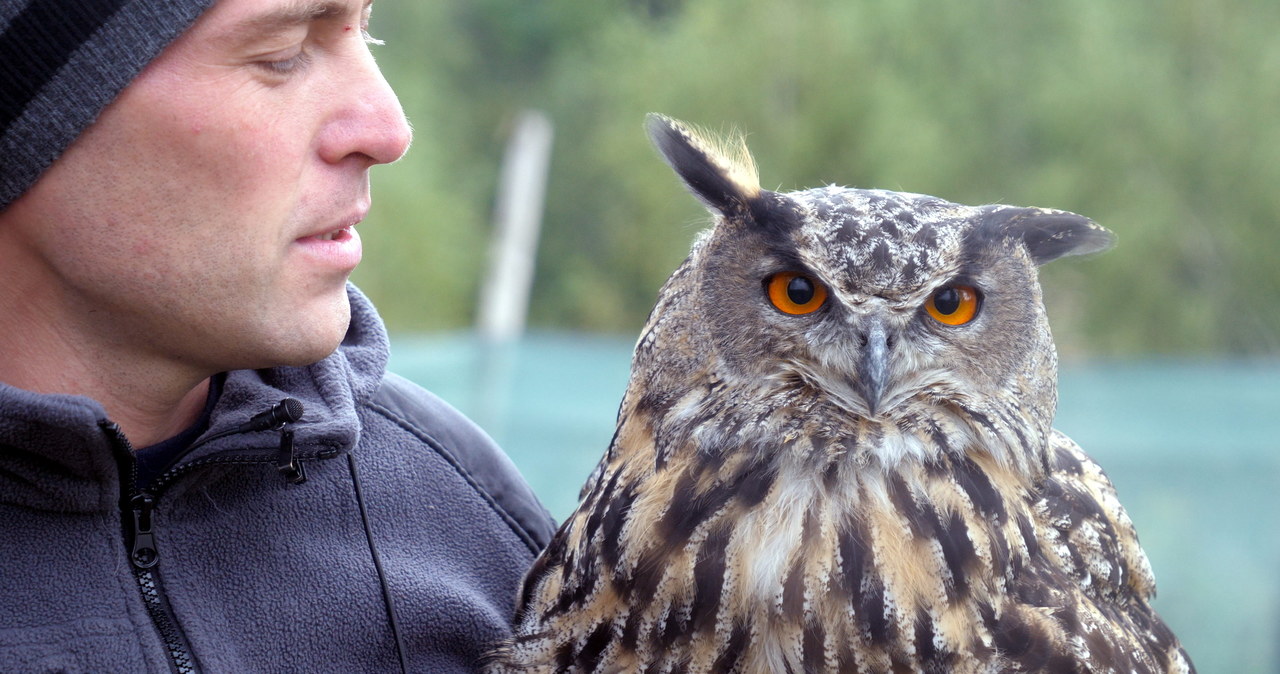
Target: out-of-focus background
(1160,120)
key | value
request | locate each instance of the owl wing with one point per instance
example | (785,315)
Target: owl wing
(1084,533)
(1089,529)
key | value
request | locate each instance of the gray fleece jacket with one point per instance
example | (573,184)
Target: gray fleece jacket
(402,550)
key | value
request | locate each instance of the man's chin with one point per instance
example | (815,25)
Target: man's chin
(309,358)
(314,337)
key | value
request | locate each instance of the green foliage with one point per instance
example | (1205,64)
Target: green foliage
(1157,119)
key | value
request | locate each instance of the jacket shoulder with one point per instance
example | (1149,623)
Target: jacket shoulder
(470,451)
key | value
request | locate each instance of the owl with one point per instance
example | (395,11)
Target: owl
(835,453)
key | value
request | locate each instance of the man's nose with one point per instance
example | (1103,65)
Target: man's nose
(369,120)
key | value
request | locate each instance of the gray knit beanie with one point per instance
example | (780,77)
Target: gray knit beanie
(62,62)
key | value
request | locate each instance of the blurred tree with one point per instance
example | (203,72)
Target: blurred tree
(1155,118)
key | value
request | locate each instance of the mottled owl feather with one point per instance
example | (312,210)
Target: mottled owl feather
(839,479)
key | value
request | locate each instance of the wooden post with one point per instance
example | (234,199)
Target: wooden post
(504,300)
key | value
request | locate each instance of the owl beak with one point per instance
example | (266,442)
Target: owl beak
(873,366)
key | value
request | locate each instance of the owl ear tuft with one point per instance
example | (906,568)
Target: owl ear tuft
(1048,234)
(721,174)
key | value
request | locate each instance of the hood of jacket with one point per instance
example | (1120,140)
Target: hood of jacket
(57,452)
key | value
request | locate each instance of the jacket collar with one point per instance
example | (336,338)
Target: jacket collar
(55,453)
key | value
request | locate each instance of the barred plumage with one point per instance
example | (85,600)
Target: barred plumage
(845,473)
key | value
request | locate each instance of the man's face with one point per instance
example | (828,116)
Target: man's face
(208,215)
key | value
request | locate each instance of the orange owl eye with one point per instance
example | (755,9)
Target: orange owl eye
(953,305)
(795,294)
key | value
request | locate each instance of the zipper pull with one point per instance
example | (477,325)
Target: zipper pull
(289,467)
(143,552)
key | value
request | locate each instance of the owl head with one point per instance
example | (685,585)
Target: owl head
(886,306)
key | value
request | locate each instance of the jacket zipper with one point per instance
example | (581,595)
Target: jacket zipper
(143,556)
(140,526)
(139,508)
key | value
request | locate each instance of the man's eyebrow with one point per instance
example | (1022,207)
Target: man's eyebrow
(296,13)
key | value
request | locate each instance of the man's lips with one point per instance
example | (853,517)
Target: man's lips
(335,247)
(341,234)
(342,231)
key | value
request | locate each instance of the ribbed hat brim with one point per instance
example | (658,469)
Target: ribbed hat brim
(62,62)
